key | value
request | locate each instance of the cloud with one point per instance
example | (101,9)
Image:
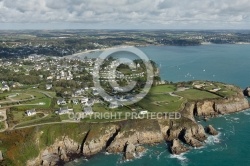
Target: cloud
(132,13)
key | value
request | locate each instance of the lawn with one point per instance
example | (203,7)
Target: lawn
(98,107)
(76,107)
(160,103)
(194,94)
(37,103)
(163,89)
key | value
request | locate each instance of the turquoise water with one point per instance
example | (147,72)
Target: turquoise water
(226,63)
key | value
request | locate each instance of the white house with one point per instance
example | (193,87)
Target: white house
(30,112)
(143,112)
(5,88)
(63,111)
(84,100)
(75,101)
(48,86)
(61,102)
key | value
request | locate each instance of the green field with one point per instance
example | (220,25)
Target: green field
(40,100)
(35,104)
(194,94)
(160,103)
(98,107)
(163,89)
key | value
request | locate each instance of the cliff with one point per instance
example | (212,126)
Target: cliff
(136,132)
(122,137)
(210,108)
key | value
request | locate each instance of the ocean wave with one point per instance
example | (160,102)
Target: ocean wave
(246,113)
(159,155)
(107,153)
(213,139)
(183,159)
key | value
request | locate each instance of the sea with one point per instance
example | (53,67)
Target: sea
(229,63)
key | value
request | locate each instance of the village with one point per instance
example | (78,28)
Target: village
(39,87)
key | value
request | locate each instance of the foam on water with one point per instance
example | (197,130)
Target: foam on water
(212,139)
(183,159)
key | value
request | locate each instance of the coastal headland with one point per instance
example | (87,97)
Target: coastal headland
(52,144)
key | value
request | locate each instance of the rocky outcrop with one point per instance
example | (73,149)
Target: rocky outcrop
(164,126)
(132,151)
(205,108)
(210,130)
(177,147)
(56,153)
(188,111)
(129,152)
(97,139)
(232,105)
(210,108)
(180,127)
(190,139)
(139,150)
(188,131)
(247,92)
(136,132)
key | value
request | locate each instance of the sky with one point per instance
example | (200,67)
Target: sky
(124,14)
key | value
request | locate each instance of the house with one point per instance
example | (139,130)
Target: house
(113,105)
(88,110)
(61,102)
(78,93)
(5,88)
(49,78)
(30,112)
(84,100)
(108,98)
(95,92)
(48,86)
(90,102)
(75,101)
(63,111)
(143,112)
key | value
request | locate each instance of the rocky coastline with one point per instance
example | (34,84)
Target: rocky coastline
(128,137)
(246,91)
